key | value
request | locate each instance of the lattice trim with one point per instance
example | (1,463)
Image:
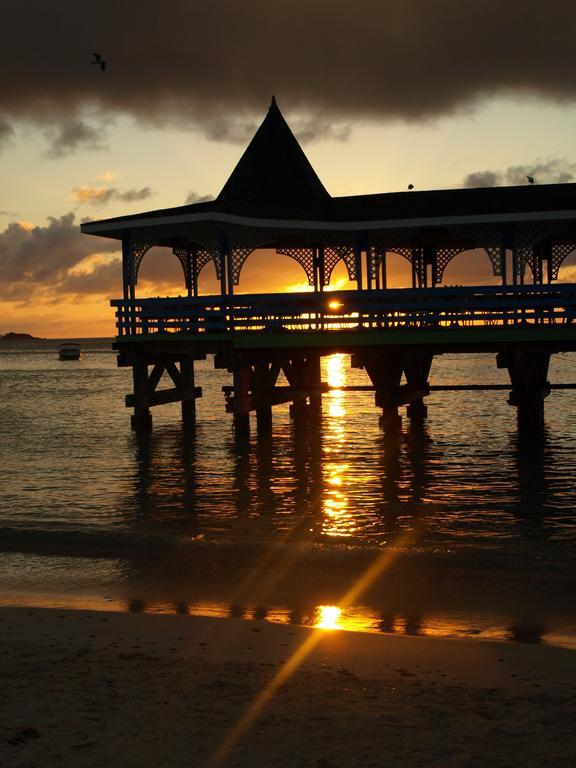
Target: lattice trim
(193,261)
(443,257)
(305,257)
(239,256)
(240,250)
(210,249)
(334,254)
(377,252)
(487,237)
(138,251)
(560,252)
(185,257)
(528,236)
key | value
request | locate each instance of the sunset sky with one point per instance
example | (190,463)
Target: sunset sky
(381,94)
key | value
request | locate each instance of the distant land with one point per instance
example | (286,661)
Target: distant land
(11,336)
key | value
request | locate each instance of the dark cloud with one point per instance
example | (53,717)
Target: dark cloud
(552,171)
(194,197)
(214,66)
(6,133)
(102,195)
(36,260)
(104,279)
(238,131)
(72,136)
(308,131)
(56,261)
(483,179)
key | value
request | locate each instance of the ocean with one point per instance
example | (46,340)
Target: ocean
(474,530)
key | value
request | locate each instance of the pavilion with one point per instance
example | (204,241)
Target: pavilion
(275,200)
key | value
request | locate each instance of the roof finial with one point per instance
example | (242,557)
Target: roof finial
(273,104)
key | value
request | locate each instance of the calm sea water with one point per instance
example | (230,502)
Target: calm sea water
(480,528)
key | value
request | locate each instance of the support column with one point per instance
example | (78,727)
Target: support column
(222,257)
(515,268)
(528,371)
(187,384)
(503,265)
(315,378)
(358,263)
(321,267)
(384,271)
(297,371)
(194,274)
(429,260)
(242,378)
(229,249)
(417,369)
(385,372)
(141,419)
(126,266)
(547,257)
(261,386)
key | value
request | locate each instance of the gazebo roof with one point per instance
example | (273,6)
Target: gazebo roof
(273,170)
(274,185)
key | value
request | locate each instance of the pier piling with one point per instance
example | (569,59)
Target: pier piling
(528,371)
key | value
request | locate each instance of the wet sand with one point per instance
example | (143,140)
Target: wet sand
(84,688)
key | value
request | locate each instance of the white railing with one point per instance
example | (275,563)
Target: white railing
(350,310)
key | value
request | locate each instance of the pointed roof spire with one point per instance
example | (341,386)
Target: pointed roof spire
(273,170)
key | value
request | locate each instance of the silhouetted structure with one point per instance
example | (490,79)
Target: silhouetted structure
(275,200)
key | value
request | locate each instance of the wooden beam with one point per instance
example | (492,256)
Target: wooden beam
(164,396)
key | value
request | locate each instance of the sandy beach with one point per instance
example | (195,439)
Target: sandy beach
(86,688)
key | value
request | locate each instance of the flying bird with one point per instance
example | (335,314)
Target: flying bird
(100,61)
(530,179)
(410,186)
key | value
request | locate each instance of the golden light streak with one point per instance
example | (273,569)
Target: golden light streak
(376,569)
(335,502)
(335,371)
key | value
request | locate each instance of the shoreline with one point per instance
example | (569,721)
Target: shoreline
(120,689)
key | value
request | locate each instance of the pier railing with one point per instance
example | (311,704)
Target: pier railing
(349,310)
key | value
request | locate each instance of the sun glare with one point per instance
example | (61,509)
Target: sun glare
(328,617)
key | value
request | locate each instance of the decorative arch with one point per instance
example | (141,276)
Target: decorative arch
(240,250)
(306,257)
(443,257)
(210,244)
(376,254)
(486,237)
(560,252)
(138,251)
(544,234)
(193,261)
(383,243)
(335,253)
(528,237)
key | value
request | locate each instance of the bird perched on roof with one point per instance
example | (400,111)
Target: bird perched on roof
(100,61)
(530,179)
(410,186)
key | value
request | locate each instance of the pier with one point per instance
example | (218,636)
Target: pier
(275,201)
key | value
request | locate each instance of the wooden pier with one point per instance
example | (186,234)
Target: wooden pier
(274,200)
(393,335)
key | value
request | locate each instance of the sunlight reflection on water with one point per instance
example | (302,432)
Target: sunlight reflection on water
(76,480)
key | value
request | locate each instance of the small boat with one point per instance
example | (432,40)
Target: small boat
(69,351)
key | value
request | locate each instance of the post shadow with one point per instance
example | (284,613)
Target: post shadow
(532,457)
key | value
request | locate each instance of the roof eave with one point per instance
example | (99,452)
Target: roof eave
(116,228)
